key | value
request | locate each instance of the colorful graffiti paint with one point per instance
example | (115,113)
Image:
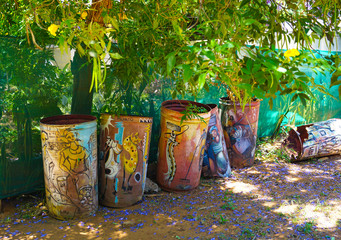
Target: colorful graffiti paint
(314,140)
(216,161)
(124,151)
(240,131)
(181,147)
(69,146)
(173,131)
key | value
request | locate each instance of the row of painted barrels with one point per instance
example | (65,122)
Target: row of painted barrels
(188,146)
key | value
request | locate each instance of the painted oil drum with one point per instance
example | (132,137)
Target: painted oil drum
(216,161)
(314,140)
(124,153)
(181,145)
(240,131)
(69,145)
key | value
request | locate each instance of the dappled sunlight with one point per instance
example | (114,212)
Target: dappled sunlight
(287,209)
(119,234)
(308,194)
(292,178)
(240,187)
(268,200)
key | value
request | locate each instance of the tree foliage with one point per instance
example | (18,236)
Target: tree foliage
(234,44)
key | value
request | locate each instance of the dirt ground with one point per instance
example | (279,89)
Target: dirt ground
(273,199)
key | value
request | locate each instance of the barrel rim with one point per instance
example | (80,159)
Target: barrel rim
(228,101)
(167,104)
(287,145)
(118,116)
(53,120)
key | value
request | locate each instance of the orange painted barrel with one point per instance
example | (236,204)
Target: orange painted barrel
(181,145)
(124,152)
(240,131)
(69,145)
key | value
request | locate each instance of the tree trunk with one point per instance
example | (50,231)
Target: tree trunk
(81,69)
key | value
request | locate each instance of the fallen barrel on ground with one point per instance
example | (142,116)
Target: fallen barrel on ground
(314,140)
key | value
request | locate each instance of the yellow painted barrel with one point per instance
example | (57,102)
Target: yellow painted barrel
(124,152)
(69,148)
(181,145)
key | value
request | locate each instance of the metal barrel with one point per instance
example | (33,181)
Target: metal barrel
(240,131)
(124,153)
(314,140)
(216,161)
(181,145)
(69,146)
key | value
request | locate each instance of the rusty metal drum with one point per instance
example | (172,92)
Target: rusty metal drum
(314,140)
(181,145)
(216,161)
(69,146)
(240,131)
(124,153)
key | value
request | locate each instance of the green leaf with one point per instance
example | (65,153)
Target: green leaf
(170,63)
(294,98)
(115,56)
(187,72)
(340,92)
(277,75)
(249,64)
(108,46)
(270,64)
(256,68)
(228,45)
(334,79)
(201,81)
(249,21)
(260,77)
(155,23)
(303,98)
(245,86)
(259,93)
(114,23)
(287,91)
(246,71)
(210,55)
(318,30)
(92,53)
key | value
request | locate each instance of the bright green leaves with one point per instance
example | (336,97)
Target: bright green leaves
(93,53)
(201,81)
(170,62)
(188,72)
(115,56)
